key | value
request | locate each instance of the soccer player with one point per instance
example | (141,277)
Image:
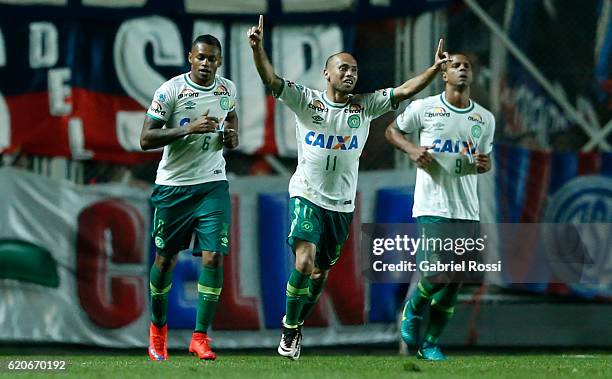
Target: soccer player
(332,128)
(456,136)
(192,116)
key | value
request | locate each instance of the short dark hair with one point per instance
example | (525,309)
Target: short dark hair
(335,55)
(207,39)
(461,53)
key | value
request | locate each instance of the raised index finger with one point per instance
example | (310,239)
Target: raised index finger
(440,46)
(260,26)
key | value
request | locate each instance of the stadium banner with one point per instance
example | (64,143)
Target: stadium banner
(575,108)
(76,77)
(535,186)
(90,84)
(74,264)
(74,260)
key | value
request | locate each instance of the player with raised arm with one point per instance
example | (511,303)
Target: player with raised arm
(456,136)
(193,116)
(332,128)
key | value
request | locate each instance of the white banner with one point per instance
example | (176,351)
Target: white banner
(74,264)
(74,261)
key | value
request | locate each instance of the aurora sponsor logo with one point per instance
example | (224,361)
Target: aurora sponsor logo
(477,118)
(157,108)
(188,92)
(437,112)
(354,109)
(331,142)
(318,106)
(453,146)
(221,91)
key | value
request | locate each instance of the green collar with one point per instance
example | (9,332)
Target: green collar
(455,109)
(197,86)
(335,105)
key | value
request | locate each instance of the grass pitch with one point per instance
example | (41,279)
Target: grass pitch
(263,365)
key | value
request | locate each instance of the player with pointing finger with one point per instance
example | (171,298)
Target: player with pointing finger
(455,140)
(332,127)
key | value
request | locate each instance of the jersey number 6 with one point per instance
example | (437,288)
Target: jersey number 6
(206,143)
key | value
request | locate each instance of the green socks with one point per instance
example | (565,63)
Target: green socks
(160,284)
(441,311)
(210,284)
(314,292)
(297,293)
(422,296)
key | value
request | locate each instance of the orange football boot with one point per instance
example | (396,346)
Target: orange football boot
(200,346)
(157,342)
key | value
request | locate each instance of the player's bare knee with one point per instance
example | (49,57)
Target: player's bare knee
(304,263)
(304,256)
(165,264)
(212,259)
(319,276)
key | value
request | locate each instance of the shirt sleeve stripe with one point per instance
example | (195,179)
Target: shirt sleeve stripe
(155,117)
(394,102)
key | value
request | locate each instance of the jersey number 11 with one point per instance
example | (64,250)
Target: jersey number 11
(333,164)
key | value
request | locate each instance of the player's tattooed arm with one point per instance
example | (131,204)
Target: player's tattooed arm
(230,131)
(415,85)
(262,63)
(153,136)
(418,154)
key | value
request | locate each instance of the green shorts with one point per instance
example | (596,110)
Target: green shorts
(328,230)
(182,211)
(436,229)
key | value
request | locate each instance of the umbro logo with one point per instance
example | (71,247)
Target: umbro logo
(317,119)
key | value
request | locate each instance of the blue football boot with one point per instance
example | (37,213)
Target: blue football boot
(409,325)
(430,352)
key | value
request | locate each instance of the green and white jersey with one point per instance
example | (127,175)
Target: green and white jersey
(195,158)
(330,139)
(448,188)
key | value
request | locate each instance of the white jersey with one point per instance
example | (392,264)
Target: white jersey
(195,158)
(448,188)
(330,139)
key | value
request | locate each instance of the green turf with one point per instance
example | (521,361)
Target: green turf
(598,365)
